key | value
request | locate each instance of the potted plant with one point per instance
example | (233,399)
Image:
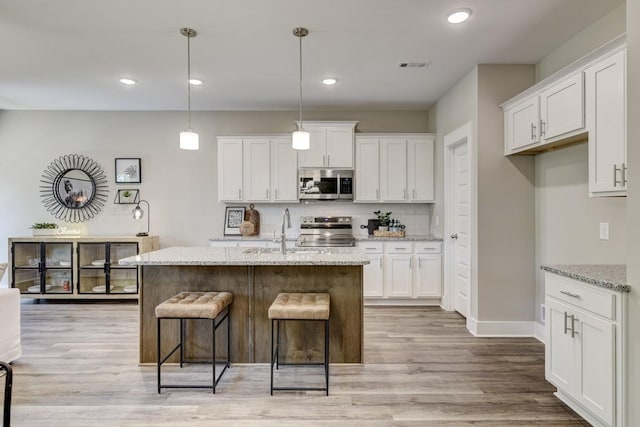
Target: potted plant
(384,220)
(44,229)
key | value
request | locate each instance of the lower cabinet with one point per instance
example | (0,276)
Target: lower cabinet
(76,268)
(583,351)
(402,273)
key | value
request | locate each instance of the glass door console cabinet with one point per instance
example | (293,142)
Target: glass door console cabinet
(76,268)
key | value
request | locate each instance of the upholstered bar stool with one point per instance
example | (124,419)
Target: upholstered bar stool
(212,306)
(299,306)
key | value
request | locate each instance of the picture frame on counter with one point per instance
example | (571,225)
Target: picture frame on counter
(233,217)
(128,170)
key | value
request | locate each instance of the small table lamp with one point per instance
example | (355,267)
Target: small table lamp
(138,213)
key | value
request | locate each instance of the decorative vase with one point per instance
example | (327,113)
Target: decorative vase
(44,232)
(383,227)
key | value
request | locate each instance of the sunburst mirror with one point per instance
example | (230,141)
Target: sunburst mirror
(74,188)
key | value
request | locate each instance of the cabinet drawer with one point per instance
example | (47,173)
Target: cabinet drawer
(398,248)
(428,247)
(372,247)
(584,296)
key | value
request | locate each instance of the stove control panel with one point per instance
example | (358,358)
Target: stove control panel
(310,220)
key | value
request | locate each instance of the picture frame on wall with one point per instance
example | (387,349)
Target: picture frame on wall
(128,171)
(233,217)
(127,197)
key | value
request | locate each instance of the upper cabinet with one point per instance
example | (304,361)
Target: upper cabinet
(331,145)
(257,169)
(554,114)
(394,168)
(606,124)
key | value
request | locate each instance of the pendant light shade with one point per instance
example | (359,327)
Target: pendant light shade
(189,139)
(300,139)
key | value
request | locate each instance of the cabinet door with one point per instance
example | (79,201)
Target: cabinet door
(420,170)
(428,275)
(255,155)
(562,108)
(373,277)
(393,170)
(339,147)
(397,276)
(284,171)
(229,169)
(521,128)
(93,264)
(597,389)
(316,155)
(561,352)
(606,124)
(367,170)
(57,268)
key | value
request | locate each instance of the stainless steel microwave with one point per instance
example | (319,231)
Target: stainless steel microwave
(325,184)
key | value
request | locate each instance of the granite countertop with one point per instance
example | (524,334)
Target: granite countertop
(407,238)
(248,256)
(611,276)
(262,238)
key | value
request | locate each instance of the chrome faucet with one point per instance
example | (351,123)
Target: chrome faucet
(283,240)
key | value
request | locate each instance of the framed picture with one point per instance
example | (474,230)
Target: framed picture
(128,171)
(233,218)
(127,197)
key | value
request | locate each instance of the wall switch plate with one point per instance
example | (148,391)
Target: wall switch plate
(604,231)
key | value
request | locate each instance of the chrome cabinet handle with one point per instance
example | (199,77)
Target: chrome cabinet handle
(239,194)
(615,175)
(372,249)
(570,294)
(414,194)
(419,262)
(267,193)
(323,159)
(565,323)
(377,193)
(624,174)
(405,194)
(410,264)
(328,159)
(454,236)
(380,262)
(533,131)
(276,193)
(573,326)
(543,124)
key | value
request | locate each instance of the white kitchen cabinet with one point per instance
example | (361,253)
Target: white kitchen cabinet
(284,171)
(583,351)
(522,125)
(229,169)
(396,168)
(402,272)
(606,124)
(562,108)
(257,169)
(331,145)
(393,170)
(367,170)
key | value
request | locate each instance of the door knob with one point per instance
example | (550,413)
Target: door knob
(454,236)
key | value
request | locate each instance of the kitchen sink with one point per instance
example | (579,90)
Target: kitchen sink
(300,251)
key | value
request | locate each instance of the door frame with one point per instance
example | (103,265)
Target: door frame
(461,135)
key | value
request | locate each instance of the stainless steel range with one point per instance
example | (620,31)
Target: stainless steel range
(322,231)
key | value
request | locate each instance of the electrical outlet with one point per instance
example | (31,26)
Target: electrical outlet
(604,231)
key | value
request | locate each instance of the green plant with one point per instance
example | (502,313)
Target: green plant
(44,225)
(384,218)
(126,194)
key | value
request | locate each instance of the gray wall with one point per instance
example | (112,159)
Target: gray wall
(597,34)
(181,186)
(506,225)
(633,212)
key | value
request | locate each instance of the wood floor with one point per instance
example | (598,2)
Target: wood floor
(422,368)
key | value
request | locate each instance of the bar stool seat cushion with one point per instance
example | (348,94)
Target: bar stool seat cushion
(197,305)
(302,306)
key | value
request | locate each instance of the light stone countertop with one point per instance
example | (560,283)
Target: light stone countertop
(610,276)
(261,238)
(204,255)
(407,238)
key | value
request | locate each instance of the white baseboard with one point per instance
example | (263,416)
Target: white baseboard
(541,333)
(501,329)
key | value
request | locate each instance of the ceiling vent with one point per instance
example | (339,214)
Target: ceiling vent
(414,64)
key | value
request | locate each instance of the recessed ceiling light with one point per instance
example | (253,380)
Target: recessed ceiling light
(458,16)
(329,82)
(195,82)
(126,81)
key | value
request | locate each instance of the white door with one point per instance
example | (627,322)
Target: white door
(561,350)
(256,162)
(522,124)
(393,167)
(367,170)
(284,171)
(562,108)
(229,169)
(397,276)
(315,156)
(428,275)
(373,278)
(420,170)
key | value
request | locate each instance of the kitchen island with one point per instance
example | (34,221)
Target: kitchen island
(255,277)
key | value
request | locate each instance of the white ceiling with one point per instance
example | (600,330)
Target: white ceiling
(69,54)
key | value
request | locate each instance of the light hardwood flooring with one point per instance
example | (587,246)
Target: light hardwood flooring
(422,368)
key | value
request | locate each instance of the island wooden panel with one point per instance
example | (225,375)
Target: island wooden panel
(254,289)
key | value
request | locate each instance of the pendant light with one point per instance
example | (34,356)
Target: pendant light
(300,138)
(189,139)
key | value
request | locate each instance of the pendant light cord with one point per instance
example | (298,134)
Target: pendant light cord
(189,78)
(300,40)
